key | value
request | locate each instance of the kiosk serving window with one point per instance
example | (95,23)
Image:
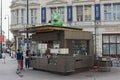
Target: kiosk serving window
(79,47)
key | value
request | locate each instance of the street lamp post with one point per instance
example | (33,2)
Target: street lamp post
(27,24)
(1,32)
(95,39)
(96,22)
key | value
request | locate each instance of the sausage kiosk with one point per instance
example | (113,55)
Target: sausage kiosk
(61,49)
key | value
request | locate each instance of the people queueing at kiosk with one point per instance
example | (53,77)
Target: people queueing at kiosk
(19,55)
(27,57)
(20,59)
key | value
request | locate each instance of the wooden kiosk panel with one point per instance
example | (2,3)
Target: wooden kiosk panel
(76,34)
(79,44)
(45,36)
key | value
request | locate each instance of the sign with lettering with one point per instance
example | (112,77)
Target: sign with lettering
(1,38)
(43,14)
(69,13)
(97,12)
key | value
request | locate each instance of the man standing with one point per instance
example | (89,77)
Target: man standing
(19,58)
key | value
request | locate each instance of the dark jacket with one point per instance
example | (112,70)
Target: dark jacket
(19,56)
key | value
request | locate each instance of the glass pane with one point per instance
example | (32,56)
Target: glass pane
(53,10)
(114,7)
(105,39)
(112,39)
(107,12)
(109,16)
(80,10)
(80,47)
(79,18)
(116,10)
(112,48)
(118,15)
(118,48)
(87,13)
(61,10)
(114,16)
(109,8)
(118,39)
(105,48)
(79,13)
(105,17)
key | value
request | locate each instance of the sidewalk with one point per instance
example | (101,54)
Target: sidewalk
(7,69)
(8,72)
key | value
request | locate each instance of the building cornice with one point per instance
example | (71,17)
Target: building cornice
(54,2)
(109,0)
(34,4)
(15,4)
(81,1)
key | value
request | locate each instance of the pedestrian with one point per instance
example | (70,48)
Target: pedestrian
(19,58)
(27,57)
(3,56)
(49,56)
(13,54)
(21,62)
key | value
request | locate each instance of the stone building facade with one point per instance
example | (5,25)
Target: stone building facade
(101,17)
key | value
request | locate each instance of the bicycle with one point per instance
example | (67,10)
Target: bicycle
(116,62)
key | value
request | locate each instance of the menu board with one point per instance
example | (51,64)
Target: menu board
(54,51)
(60,51)
(64,51)
(42,46)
